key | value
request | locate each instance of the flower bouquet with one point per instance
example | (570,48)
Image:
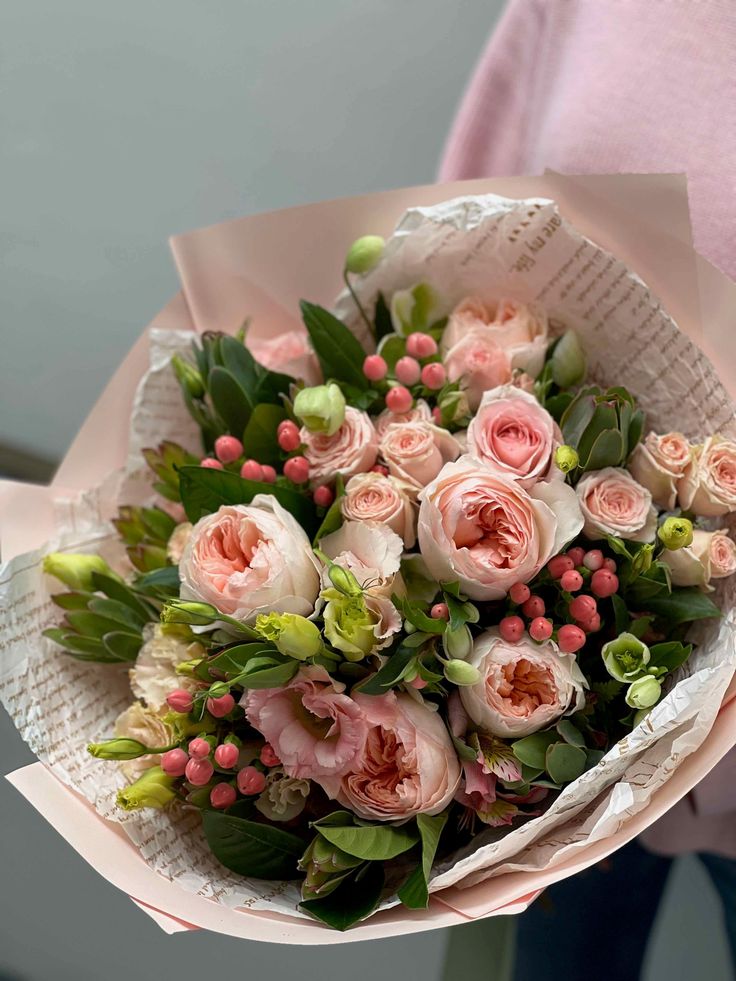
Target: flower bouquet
(418,585)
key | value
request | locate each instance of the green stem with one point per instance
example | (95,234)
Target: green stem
(358,304)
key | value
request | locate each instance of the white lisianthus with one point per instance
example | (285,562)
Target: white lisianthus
(153,676)
(284,797)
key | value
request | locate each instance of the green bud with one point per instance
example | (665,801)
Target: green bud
(75,571)
(123,749)
(642,561)
(568,360)
(675,533)
(344,580)
(293,635)
(461,673)
(189,668)
(349,624)
(185,727)
(625,658)
(566,458)
(325,866)
(188,377)
(185,611)
(153,789)
(643,693)
(321,408)
(458,643)
(363,254)
(218,689)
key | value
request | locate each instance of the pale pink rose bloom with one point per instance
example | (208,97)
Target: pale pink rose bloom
(247,559)
(487,532)
(712,555)
(315,729)
(368,549)
(375,497)
(478,362)
(658,463)
(513,435)
(520,329)
(523,687)
(708,486)
(419,412)
(415,452)
(352,449)
(290,353)
(409,766)
(614,504)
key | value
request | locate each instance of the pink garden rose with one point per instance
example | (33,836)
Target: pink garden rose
(352,449)
(523,687)
(315,729)
(708,486)
(409,765)
(614,504)
(478,362)
(712,555)
(415,452)
(289,352)
(487,532)
(658,463)
(374,497)
(247,559)
(513,435)
(419,412)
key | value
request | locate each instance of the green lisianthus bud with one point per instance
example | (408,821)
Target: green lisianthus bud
(184,726)
(188,377)
(217,689)
(644,692)
(153,789)
(122,749)
(188,669)
(566,458)
(675,533)
(461,673)
(458,643)
(344,580)
(189,611)
(321,408)
(625,658)
(642,561)
(363,254)
(75,571)
(293,635)
(568,360)
(349,624)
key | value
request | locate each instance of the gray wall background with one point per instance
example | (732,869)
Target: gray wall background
(122,123)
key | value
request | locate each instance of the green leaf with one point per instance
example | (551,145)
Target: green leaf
(532,749)
(461,611)
(240,363)
(565,763)
(669,655)
(232,403)
(120,612)
(117,590)
(577,416)
(259,437)
(332,521)
(682,606)
(232,660)
(372,842)
(249,848)
(339,352)
(415,893)
(570,733)
(619,546)
(620,613)
(607,451)
(391,348)
(122,646)
(73,600)
(91,624)
(391,672)
(354,899)
(604,419)
(270,677)
(382,318)
(416,616)
(161,583)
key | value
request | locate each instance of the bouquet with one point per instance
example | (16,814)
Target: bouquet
(424,573)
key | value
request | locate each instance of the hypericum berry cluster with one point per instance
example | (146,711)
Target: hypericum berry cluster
(411,370)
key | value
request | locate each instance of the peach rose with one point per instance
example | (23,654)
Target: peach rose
(352,449)
(478,362)
(374,497)
(658,463)
(519,329)
(712,555)
(513,435)
(415,452)
(247,559)
(487,532)
(614,504)
(289,352)
(523,687)
(419,412)
(708,486)
(409,765)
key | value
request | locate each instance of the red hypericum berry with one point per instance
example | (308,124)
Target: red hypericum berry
(533,607)
(609,564)
(199,772)
(593,559)
(199,749)
(603,583)
(511,629)
(583,607)
(223,795)
(288,436)
(226,755)
(269,474)
(407,371)
(418,683)
(440,611)
(222,706)
(375,367)
(519,593)
(559,565)
(570,638)
(590,626)
(269,756)
(211,464)
(577,554)
(296,469)
(180,701)
(434,375)
(420,345)
(571,581)
(324,496)
(437,415)
(399,400)
(251,470)
(174,762)
(250,781)
(228,449)
(540,629)
(379,468)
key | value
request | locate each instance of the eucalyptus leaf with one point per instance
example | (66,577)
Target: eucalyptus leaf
(570,733)
(565,763)
(532,749)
